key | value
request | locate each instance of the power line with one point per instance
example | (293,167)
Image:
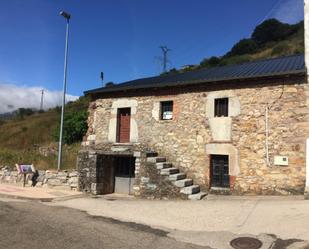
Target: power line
(277,4)
(271,10)
(165,50)
(268,13)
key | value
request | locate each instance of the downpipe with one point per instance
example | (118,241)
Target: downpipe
(267,134)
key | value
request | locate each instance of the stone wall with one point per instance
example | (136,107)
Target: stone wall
(47,178)
(96,172)
(184,139)
(86,164)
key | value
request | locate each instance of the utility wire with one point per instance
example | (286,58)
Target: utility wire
(271,10)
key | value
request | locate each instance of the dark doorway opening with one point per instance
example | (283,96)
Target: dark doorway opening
(124,174)
(106,173)
(124,166)
(123,125)
(219,171)
(116,174)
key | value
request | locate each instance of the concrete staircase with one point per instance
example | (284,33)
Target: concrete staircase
(180,180)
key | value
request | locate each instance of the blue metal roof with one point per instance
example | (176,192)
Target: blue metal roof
(294,64)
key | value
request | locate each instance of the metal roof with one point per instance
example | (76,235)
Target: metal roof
(287,65)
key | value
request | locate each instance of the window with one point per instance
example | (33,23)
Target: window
(222,107)
(166,112)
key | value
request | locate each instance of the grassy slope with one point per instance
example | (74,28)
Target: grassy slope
(19,139)
(291,45)
(25,133)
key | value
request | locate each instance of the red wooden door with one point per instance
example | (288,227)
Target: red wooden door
(124,118)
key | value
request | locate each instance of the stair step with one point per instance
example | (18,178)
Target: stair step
(220,191)
(197,196)
(183,183)
(169,171)
(160,159)
(178,176)
(194,189)
(151,154)
(164,165)
(156,159)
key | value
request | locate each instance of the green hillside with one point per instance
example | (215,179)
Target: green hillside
(270,39)
(23,137)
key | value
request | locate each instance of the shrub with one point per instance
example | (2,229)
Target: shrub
(298,51)
(20,113)
(271,30)
(173,71)
(24,128)
(244,46)
(210,62)
(235,59)
(74,127)
(280,49)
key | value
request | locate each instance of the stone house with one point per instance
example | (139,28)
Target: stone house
(240,129)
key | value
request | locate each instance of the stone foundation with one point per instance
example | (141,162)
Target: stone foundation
(95,177)
(47,178)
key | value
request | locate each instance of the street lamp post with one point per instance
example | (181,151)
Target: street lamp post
(67,17)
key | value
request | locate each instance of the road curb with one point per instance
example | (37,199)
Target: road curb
(26,198)
(41,199)
(66,198)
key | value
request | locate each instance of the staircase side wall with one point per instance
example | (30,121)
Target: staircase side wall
(153,185)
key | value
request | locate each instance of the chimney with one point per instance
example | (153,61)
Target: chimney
(306,38)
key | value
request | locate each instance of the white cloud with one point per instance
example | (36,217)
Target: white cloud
(289,11)
(13,97)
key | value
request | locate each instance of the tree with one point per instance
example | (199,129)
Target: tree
(210,62)
(22,112)
(74,127)
(271,30)
(244,46)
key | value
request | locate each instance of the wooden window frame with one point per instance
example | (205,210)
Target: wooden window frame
(166,106)
(221,107)
(118,123)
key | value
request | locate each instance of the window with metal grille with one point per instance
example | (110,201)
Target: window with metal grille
(166,110)
(222,107)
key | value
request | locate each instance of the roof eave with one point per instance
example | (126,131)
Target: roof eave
(192,82)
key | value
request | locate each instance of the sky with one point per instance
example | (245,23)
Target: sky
(120,38)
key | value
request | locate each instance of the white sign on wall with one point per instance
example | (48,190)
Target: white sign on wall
(281,160)
(167,115)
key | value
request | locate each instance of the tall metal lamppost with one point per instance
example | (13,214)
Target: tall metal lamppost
(67,16)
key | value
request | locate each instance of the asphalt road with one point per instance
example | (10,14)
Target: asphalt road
(34,225)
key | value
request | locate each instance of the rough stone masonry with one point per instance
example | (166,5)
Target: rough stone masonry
(194,133)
